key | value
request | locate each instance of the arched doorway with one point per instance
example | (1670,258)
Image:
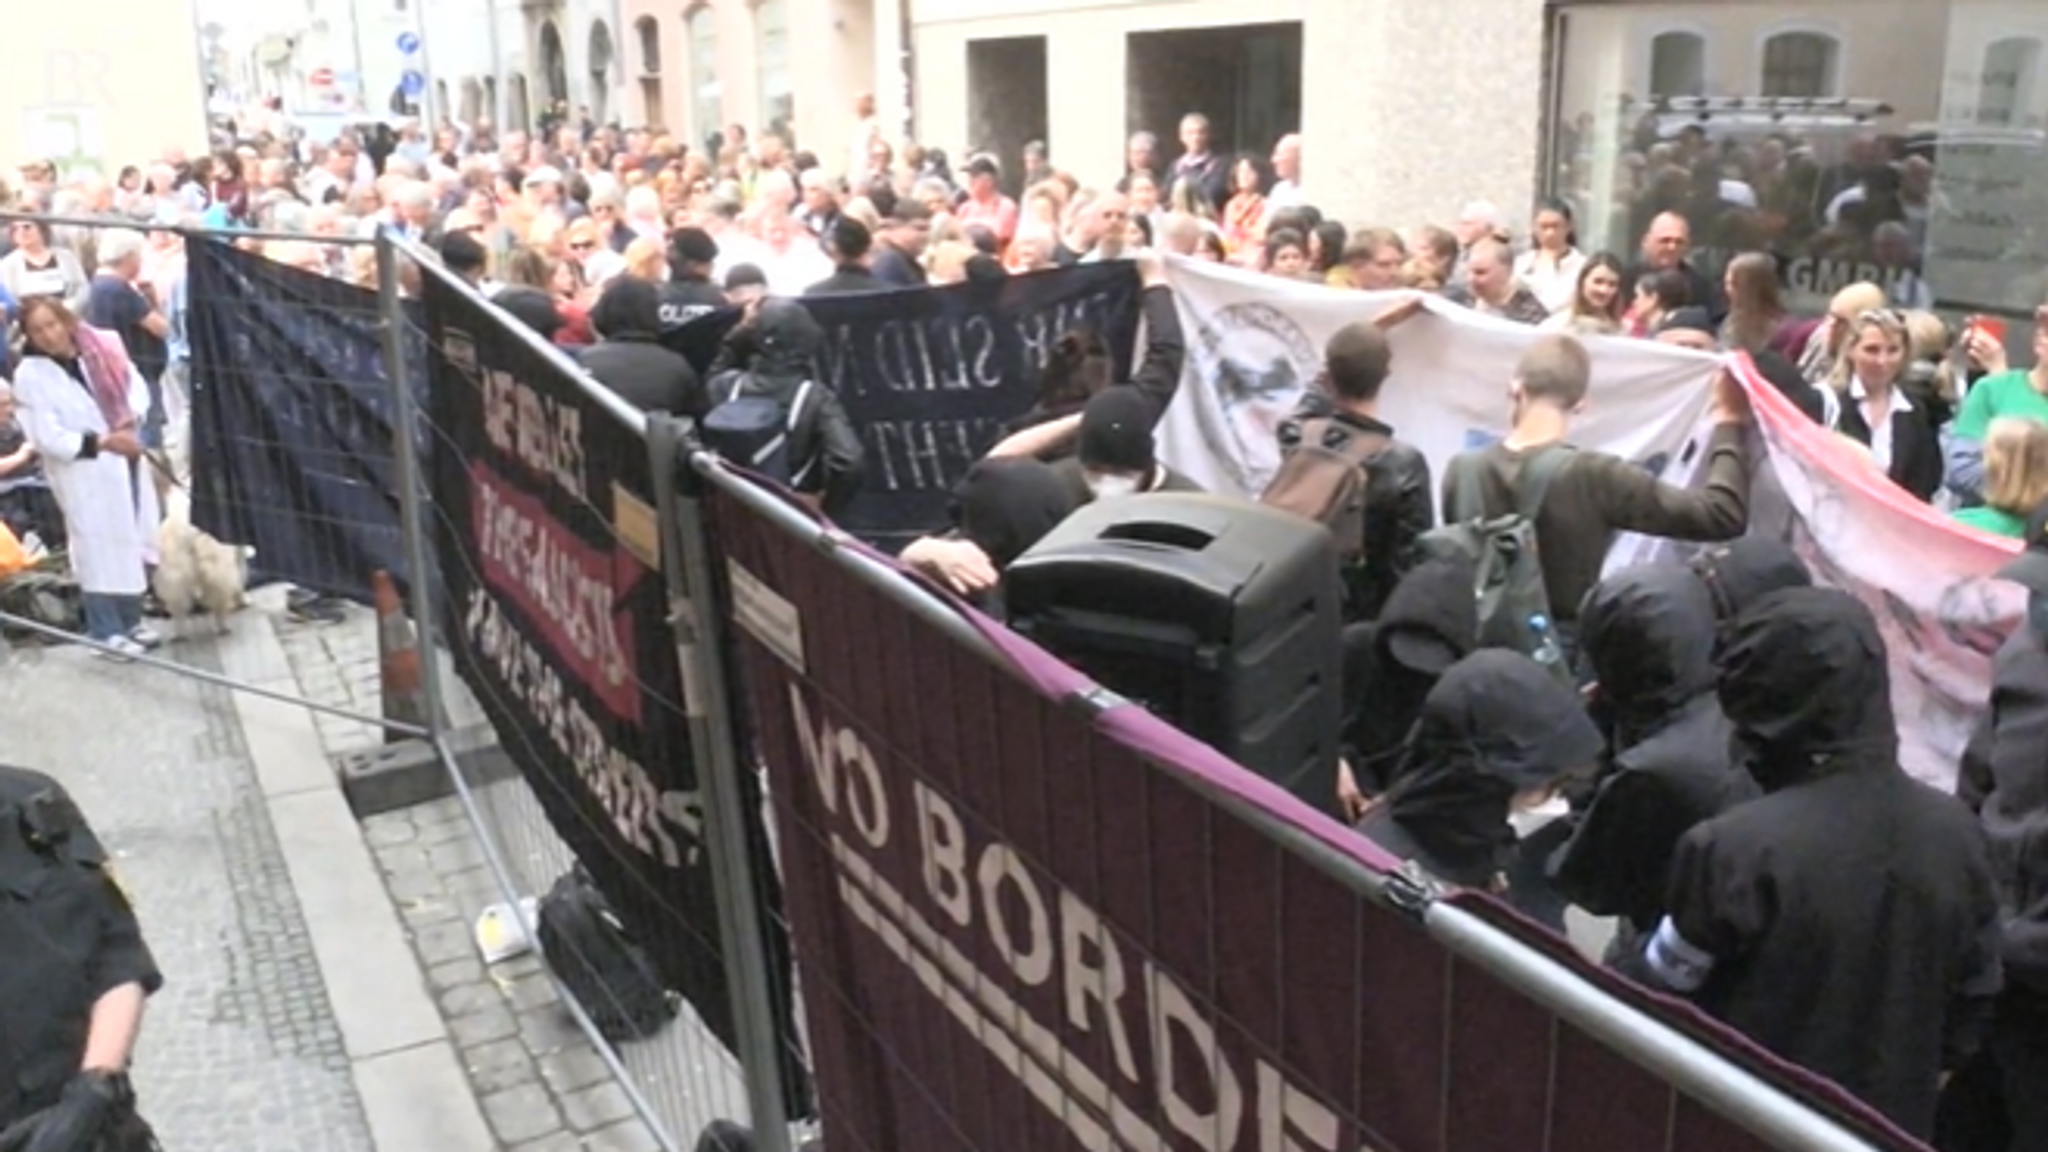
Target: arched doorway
(599,64)
(554,69)
(472,101)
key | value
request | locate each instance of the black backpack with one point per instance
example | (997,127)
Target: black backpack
(753,430)
(1507,574)
(600,963)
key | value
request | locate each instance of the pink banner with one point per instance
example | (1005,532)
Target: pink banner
(1928,579)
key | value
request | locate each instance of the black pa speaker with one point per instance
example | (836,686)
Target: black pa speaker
(1221,616)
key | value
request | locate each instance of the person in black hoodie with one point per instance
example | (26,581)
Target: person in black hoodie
(773,353)
(1429,623)
(1743,571)
(1847,920)
(629,358)
(2004,779)
(1001,508)
(1496,732)
(1649,635)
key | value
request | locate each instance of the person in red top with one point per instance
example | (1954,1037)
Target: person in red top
(985,204)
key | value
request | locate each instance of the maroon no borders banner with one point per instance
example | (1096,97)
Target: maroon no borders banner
(1019,931)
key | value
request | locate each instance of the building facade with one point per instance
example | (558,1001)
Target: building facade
(1406,108)
(92,102)
(794,67)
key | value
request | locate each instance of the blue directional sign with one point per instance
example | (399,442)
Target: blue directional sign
(408,42)
(412,83)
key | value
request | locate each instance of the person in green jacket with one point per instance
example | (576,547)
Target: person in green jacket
(2004,391)
(2015,476)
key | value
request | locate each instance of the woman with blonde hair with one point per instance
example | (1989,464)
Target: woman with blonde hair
(2015,477)
(647,259)
(1822,351)
(947,262)
(1865,400)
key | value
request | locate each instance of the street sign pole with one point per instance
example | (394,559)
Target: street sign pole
(413,44)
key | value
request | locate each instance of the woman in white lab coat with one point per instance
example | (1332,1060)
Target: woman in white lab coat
(82,402)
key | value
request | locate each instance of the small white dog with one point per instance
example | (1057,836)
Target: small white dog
(197,573)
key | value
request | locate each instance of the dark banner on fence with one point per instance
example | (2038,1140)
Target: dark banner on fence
(930,376)
(1023,930)
(292,420)
(550,555)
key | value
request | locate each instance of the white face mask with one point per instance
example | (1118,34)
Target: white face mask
(1110,485)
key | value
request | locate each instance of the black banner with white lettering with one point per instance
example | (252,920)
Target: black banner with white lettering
(557,612)
(292,421)
(930,376)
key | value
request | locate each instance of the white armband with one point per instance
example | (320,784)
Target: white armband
(1678,963)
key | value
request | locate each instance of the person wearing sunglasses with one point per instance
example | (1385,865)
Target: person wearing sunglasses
(2003,391)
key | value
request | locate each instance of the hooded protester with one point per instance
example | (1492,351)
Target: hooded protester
(1497,731)
(629,358)
(1745,570)
(773,353)
(1429,623)
(2005,780)
(1001,508)
(1649,635)
(1006,506)
(1847,920)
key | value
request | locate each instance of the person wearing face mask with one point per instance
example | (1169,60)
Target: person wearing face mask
(1648,633)
(1498,733)
(1848,919)
(1114,455)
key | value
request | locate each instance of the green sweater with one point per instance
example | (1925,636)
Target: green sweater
(1994,521)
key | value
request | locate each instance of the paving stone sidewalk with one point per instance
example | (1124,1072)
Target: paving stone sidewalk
(239,1051)
(539,1079)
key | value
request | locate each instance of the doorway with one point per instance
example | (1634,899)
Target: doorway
(1007,101)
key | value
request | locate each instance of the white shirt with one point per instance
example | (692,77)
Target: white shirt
(1285,194)
(1552,282)
(1880,430)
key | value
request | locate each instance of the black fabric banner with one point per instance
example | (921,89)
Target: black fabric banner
(292,421)
(931,375)
(549,555)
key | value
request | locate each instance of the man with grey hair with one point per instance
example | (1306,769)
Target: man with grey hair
(819,211)
(118,302)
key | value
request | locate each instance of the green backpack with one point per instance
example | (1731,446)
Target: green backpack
(1507,576)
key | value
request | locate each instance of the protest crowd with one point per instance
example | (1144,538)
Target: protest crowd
(1715,741)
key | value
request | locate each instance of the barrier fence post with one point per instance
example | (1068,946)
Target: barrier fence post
(412,512)
(696,617)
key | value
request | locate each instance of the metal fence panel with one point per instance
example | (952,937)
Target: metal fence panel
(1030,922)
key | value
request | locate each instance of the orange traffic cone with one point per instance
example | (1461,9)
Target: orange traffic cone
(398,660)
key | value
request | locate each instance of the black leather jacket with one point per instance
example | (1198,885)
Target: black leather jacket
(1398,505)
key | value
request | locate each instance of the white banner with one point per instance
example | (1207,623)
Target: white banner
(1254,343)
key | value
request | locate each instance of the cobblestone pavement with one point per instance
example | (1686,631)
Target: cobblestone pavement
(239,1051)
(539,1079)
